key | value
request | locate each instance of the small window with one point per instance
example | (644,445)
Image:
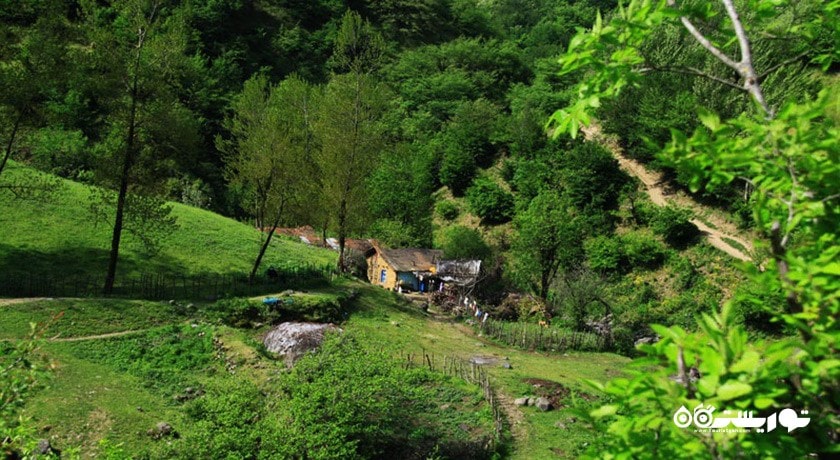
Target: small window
(382,276)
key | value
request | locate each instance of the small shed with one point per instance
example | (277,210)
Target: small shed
(408,268)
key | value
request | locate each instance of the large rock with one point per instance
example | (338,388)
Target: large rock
(543,404)
(521,401)
(293,340)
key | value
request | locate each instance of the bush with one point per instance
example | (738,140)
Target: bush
(604,253)
(350,401)
(643,250)
(490,202)
(457,169)
(447,210)
(674,225)
(461,242)
(224,422)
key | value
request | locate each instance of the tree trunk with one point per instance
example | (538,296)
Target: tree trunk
(128,162)
(263,248)
(544,282)
(342,222)
(11,142)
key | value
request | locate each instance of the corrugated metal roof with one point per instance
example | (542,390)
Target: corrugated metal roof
(411,259)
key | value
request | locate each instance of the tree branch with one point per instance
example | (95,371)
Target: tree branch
(693,71)
(704,41)
(781,64)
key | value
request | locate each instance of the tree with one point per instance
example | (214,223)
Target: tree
(32,63)
(347,125)
(270,151)
(789,154)
(136,57)
(550,231)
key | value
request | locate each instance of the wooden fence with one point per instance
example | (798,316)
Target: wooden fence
(472,373)
(534,337)
(162,286)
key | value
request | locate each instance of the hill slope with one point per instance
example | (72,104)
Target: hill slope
(59,236)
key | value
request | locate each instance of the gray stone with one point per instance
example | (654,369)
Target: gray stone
(560,425)
(521,401)
(293,340)
(44,447)
(507,365)
(163,428)
(645,340)
(543,404)
(531,401)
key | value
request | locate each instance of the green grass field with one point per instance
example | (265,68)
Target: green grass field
(58,236)
(107,385)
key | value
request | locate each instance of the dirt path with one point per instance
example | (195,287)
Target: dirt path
(97,337)
(5,302)
(718,232)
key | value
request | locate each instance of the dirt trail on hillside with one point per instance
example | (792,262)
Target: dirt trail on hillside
(97,337)
(717,231)
(5,302)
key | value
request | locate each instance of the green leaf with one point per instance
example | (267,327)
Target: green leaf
(732,390)
(604,411)
(763,403)
(748,362)
(709,119)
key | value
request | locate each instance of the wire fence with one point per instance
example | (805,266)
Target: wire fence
(469,372)
(535,337)
(162,286)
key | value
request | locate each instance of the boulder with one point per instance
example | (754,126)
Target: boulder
(507,365)
(293,340)
(45,448)
(521,401)
(543,404)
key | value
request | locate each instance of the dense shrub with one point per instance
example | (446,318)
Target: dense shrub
(447,209)
(457,169)
(348,401)
(643,250)
(461,242)
(674,225)
(490,202)
(225,422)
(604,253)
(244,313)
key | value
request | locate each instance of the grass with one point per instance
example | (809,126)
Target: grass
(100,383)
(735,245)
(59,236)
(84,317)
(383,315)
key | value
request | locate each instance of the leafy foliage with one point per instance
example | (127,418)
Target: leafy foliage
(490,202)
(459,242)
(790,158)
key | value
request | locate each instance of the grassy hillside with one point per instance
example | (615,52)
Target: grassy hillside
(58,235)
(85,400)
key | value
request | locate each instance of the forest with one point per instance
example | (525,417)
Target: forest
(588,152)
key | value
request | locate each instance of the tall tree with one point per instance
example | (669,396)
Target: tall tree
(32,58)
(270,152)
(137,50)
(347,124)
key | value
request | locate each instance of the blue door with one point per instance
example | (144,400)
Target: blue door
(382,277)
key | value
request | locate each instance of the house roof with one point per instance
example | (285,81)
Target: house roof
(411,259)
(308,235)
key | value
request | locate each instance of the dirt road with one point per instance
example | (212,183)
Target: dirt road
(718,232)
